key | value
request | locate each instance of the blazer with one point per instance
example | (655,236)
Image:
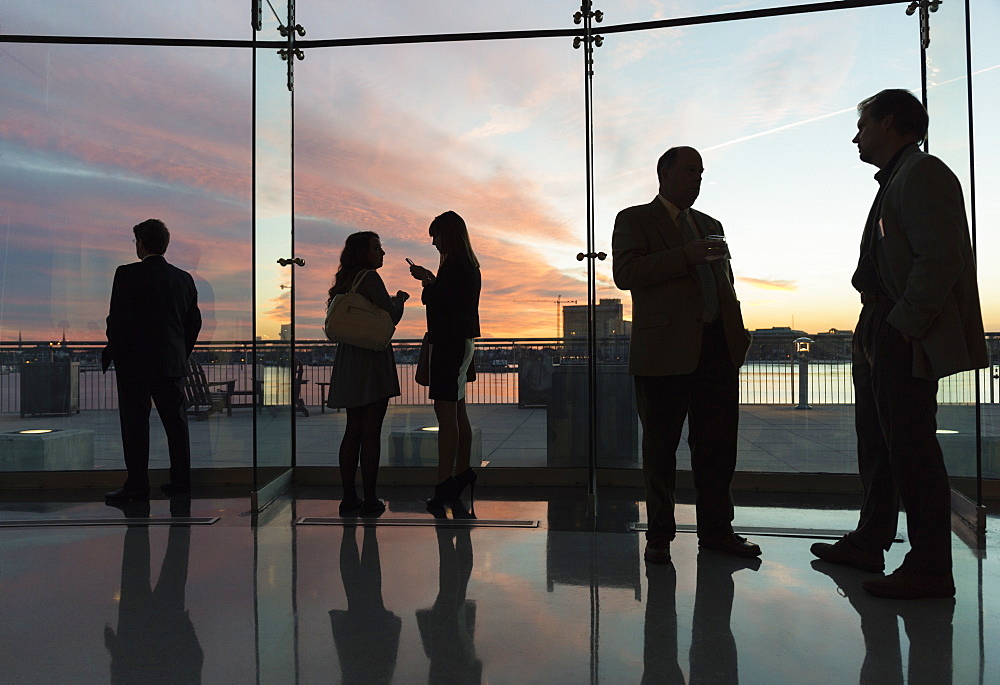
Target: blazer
(452,300)
(648,260)
(154,319)
(926,265)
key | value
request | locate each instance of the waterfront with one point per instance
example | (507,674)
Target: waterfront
(760,383)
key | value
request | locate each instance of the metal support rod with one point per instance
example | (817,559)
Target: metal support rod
(586,15)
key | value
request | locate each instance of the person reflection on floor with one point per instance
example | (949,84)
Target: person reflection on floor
(366,634)
(659,650)
(713,647)
(928,627)
(155,641)
(448,629)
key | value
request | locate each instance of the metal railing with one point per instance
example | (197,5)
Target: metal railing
(770,375)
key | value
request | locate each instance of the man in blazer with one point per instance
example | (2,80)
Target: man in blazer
(152,328)
(688,343)
(920,321)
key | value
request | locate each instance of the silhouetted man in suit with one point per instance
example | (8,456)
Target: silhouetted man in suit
(920,321)
(688,344)
(152,328)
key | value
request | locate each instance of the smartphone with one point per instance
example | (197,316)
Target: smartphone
(410,262)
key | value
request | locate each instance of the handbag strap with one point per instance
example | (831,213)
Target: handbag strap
(357,279)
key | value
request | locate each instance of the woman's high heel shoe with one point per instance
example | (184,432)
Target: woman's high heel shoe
(349,507)
(445,493)
(467,477)
(372,508)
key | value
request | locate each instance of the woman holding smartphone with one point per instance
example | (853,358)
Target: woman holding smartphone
(452,300)
(363,380)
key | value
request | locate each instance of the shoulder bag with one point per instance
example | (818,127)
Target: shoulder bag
(353,319)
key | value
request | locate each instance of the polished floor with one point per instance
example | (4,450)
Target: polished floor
(267,599)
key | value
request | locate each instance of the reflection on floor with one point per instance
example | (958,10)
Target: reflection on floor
(260,599)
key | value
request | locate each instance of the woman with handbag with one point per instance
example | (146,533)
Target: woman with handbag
(363,379)
(452,300)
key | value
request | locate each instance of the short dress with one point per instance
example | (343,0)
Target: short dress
(361,376)
(452,324)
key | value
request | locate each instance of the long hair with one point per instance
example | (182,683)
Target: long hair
(454,235)
(353,258)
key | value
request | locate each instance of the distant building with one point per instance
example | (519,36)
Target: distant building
(777,344)
(609,320)
(833,345)
(286,331)
(610,328)
(773,344)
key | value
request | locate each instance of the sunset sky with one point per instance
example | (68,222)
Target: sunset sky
(96,138)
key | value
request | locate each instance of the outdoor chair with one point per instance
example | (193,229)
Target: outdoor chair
(297,383)
(203,397)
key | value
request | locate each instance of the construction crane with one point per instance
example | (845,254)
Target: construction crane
(559,302)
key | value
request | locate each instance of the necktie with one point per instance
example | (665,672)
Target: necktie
(709,292)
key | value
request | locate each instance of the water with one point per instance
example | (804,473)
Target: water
(760,383)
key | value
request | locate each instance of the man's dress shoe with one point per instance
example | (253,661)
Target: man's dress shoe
(731,544)
(903,584)
(845,552)
(132,510)
(123,496)
(657,552)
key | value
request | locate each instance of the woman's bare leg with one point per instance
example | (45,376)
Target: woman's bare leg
(449,431)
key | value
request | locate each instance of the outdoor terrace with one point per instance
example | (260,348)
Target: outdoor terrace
(510,404)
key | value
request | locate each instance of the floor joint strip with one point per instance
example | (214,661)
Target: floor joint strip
(121,521)
(416,522)
(812,533)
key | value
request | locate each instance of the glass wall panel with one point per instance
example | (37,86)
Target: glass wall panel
(220,19)
(389,18)
(948,138)
(986,93)
(770,104)
(651,10)
(274,370)
(387,138)
(94,140)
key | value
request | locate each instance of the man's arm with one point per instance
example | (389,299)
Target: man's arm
(117,315)
(934,224)
(117,318)
(633,263)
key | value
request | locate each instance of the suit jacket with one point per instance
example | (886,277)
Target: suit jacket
(154,319)
(927,267)
(648,259)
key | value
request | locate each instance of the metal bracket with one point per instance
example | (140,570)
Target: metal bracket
(925,7)
(287,33)
(587,15)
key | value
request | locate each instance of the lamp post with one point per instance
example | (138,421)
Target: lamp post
(802,355)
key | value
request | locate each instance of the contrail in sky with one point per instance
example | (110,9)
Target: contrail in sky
(827,116)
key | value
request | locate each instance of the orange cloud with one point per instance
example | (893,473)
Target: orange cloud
(769,284)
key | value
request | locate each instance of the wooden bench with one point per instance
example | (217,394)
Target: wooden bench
(202,397)
(297,383)
(324,396)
